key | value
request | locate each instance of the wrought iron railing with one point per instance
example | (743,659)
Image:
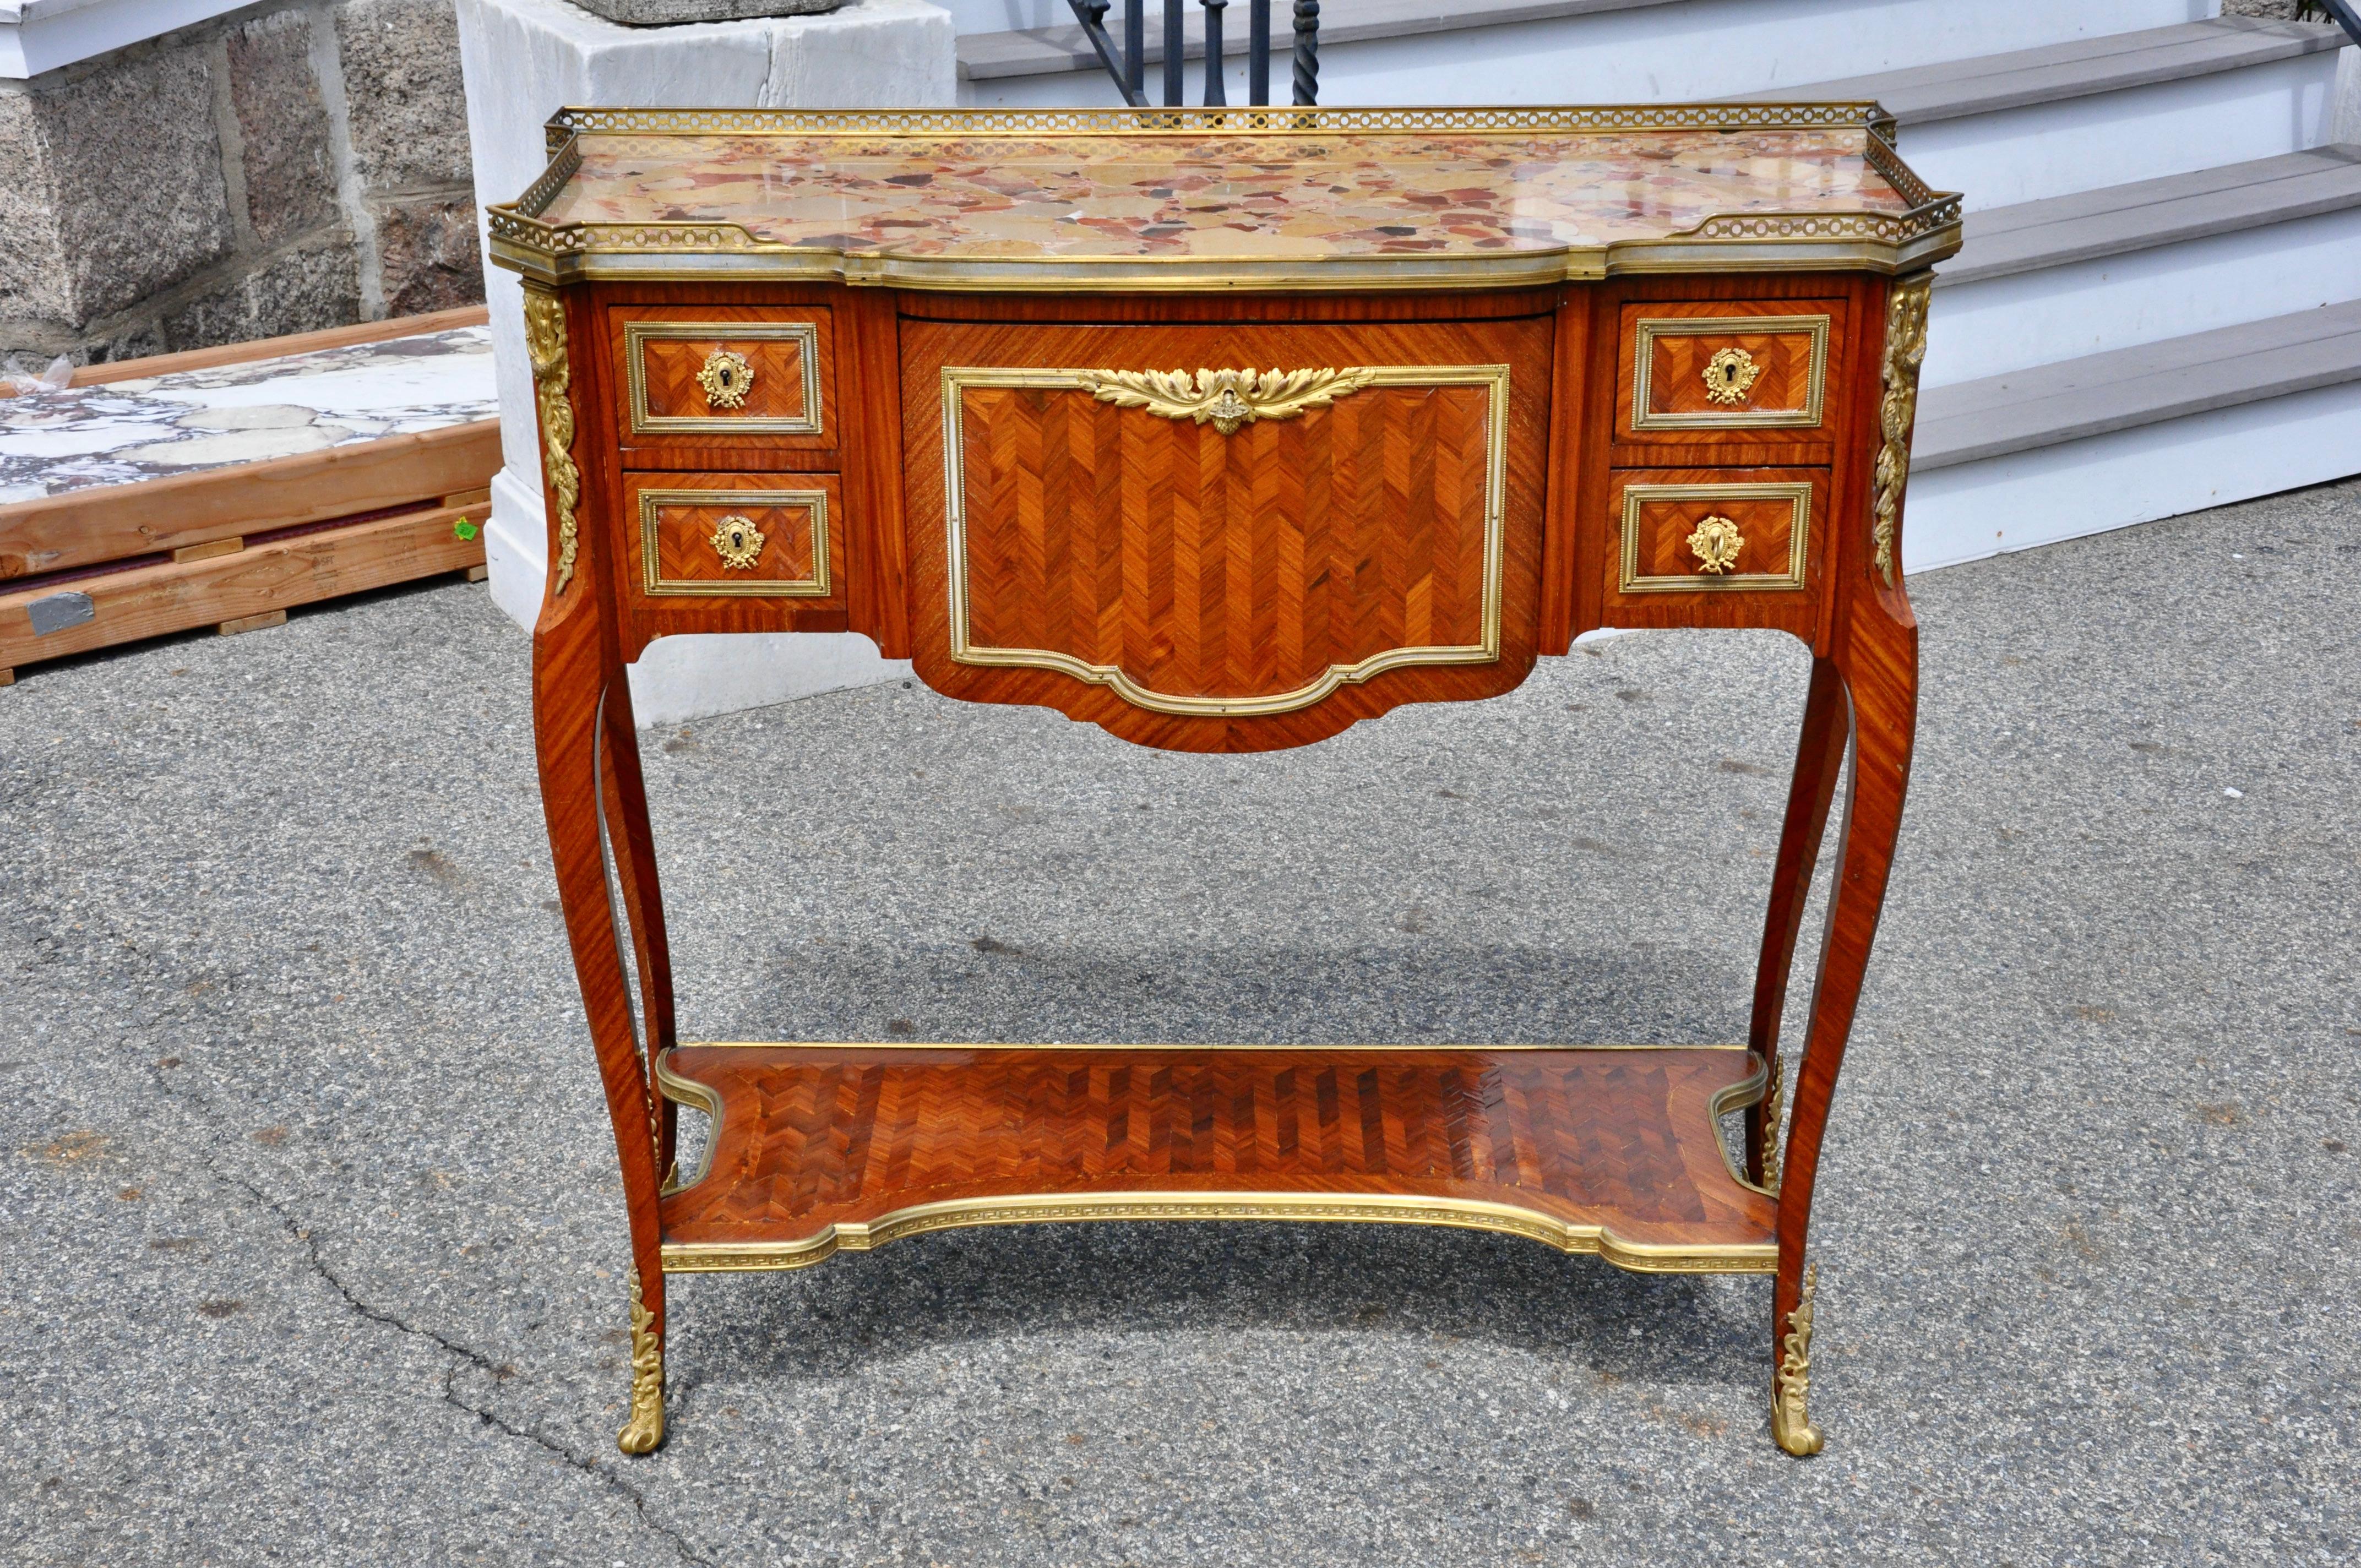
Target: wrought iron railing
(2342,12)
(1127,63)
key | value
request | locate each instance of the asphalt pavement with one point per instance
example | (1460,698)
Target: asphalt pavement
(314,1245)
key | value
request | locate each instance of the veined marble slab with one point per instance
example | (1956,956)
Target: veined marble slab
(188,421)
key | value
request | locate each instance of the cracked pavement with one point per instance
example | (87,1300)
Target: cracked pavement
(315,1244)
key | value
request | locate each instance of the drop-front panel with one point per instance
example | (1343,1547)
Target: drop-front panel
(1224,431)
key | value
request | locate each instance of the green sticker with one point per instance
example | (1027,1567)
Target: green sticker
(464,529)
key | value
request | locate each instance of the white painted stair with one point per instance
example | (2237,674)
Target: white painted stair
(2158,305)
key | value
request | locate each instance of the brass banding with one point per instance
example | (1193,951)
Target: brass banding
(1733,414)
(736,555)
(724,366)
(1636,498)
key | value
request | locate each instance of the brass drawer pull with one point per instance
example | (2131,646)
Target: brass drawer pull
(1716,544)
(727,378)
(738,542)
(1729,375)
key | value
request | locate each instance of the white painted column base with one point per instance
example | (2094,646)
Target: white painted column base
(526,59)
(2023,498)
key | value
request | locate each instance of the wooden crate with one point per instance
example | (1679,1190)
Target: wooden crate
(236,546)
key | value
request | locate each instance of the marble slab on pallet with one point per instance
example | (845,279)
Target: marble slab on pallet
(187,421)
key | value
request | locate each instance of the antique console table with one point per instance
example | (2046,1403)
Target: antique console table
(1224,430)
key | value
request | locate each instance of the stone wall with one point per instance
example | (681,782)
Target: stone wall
(281,169)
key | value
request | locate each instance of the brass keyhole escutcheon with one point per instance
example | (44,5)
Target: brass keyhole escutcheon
(738,542)
(727,378)
(1730,375)
(1716,544)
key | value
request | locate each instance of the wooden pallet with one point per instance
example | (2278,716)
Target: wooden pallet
(236,547)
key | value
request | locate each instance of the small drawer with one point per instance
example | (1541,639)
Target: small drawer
(1715,531)
(734,535)
(712,376)
(1716,367)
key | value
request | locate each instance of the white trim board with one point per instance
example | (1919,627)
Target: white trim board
(37,35)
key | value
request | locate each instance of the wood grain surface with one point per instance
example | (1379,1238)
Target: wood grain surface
(1204,566)
(264,578)
(810,1136)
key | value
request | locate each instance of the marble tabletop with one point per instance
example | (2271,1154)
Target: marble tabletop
(187,420)
(1303,196)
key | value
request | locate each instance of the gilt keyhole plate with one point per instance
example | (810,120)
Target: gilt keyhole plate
(1716,544)
(738,542)
(727,378)
(1729,375)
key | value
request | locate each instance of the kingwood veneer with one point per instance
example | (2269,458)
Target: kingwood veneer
(1224,430)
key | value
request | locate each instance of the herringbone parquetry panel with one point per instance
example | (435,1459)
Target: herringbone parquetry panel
(813,1136)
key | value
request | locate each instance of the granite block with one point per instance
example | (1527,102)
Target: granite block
(408,110)
(290,180)
(126,160)
(428,254)
(312,287)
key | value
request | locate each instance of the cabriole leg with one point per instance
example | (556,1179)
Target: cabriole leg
(1819,758)
(571,677)
(1879,666)
(630,845)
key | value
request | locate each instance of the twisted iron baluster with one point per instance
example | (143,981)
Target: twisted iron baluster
(1216,92)
(1134,52)
(1307,51)
(1175,90)
(1258,52)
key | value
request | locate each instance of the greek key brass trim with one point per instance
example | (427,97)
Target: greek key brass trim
(958,379)
(644,1431)
(638,335)
(1640,1257)
(1798,496)
(656,586)
(1288,121)
(1791,1385)
(545,337)
(1645,415)
(1151,1045)
(1906,350)
(1228,399)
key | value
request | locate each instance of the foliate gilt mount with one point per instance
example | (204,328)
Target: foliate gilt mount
(1226,400)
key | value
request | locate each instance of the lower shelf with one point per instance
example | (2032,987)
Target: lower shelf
(817,1149)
